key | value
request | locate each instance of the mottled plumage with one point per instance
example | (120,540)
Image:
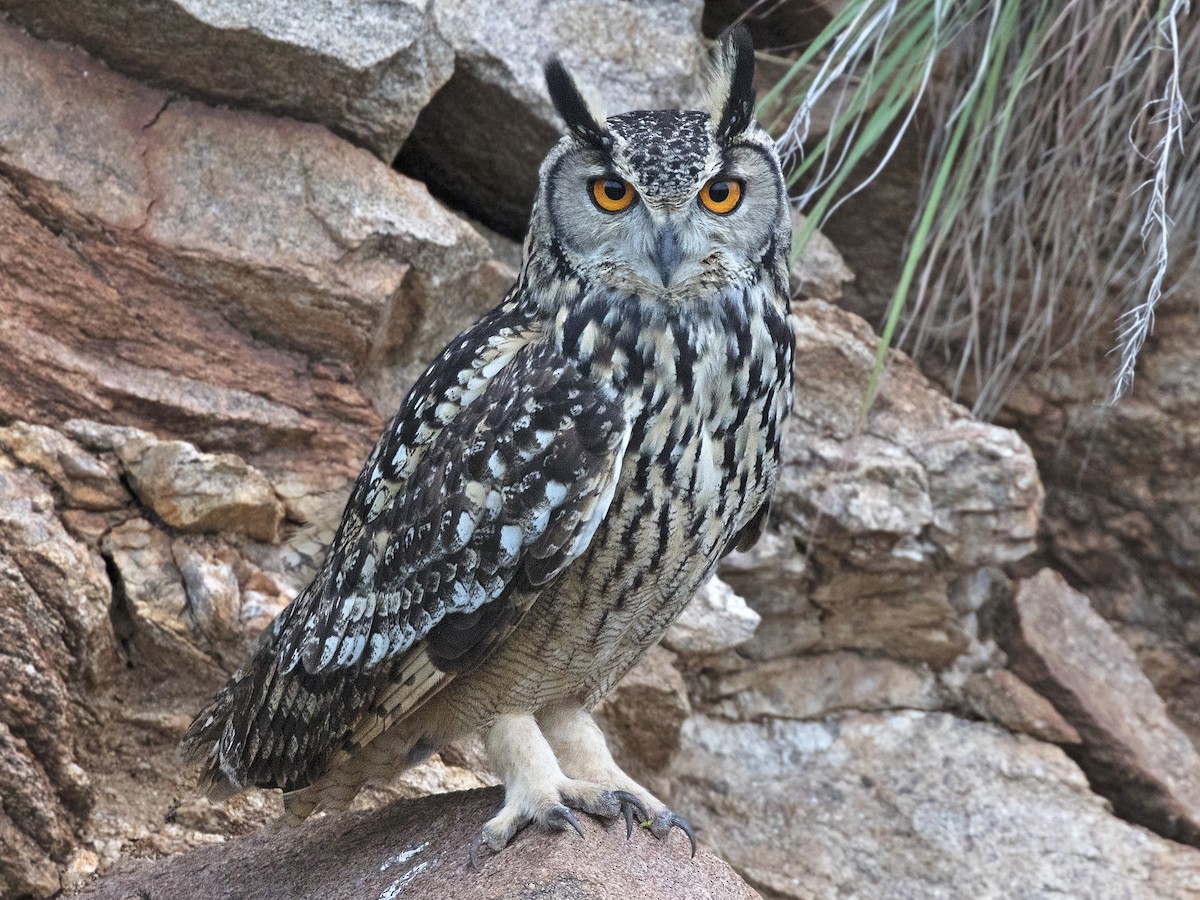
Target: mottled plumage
(554,488)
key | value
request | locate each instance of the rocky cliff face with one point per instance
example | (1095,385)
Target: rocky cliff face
(216,287)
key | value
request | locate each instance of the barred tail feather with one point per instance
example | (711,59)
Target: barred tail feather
(201,743)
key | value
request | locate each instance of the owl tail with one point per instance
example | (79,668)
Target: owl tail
(201,743)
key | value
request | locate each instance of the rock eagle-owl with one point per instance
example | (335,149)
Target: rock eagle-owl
(554,488)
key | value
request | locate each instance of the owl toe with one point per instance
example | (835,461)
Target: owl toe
(661,825)
(591,799)
(559,818)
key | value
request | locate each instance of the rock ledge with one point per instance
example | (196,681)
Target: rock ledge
(418,849)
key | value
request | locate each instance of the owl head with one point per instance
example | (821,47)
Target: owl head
(664,203)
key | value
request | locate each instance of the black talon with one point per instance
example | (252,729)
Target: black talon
(629,803)
(560,817)
(684,826)
(472,851)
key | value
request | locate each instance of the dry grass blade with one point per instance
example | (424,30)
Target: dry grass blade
(1062,177)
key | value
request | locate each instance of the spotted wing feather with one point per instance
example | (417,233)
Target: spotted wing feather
(520,478)
(498,503)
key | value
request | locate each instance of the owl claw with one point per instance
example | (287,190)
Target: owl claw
(499,830)
(686,827)
(629,805)
(473,853)
(560,818)
(660,826)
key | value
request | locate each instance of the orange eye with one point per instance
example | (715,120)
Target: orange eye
(612,194)
(721,195)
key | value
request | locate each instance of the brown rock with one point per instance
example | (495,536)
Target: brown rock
(893,510)
(152,600)
(1122,479)
(1000,696)
(773,570)
(916,482)
(200,492)
(1123,488)
(776,576)
(418,849)
(238,271)
(716,619)
(820,271)
(909,617)
(80,869)
(774,26)
(1132,751)
(56,644)
(214,596)
(85,481)
(1175,671)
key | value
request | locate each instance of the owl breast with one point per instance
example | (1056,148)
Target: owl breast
(707,387)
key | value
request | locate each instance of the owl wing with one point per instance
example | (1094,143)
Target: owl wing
(510,492)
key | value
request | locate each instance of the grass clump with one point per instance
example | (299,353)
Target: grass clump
(1061,179)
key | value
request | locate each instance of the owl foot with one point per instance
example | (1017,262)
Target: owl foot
(552,814)
(583,753)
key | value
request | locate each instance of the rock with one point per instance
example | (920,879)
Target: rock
(910,618)
(820,271)
(1122,480)
(56,644)
(782,26)
(1123,488)
(457,768)
(418,849)
(715,619)
(813,687)
(152,600)
(644,713)
(1000,696)
(1174,670)
(919,481)
(777,576)
(82,866)
(264,594)
(364,71)
(480,141)
(213,595)
(912,804)
(202,492)
(895,510)
(68,578)
(85,481)
(1132,751)
(239,271)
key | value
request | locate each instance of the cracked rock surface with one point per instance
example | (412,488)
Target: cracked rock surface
(365,70)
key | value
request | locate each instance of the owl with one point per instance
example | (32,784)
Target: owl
(554,488)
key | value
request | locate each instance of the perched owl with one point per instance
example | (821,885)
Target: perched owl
(554,488)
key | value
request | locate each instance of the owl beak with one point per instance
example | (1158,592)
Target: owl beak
(665,255)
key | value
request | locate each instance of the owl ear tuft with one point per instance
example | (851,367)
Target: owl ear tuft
(731,85)
(582,111)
